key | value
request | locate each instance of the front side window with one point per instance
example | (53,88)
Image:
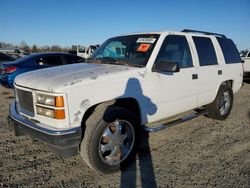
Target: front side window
(205,50)
(229,50)
(132,50)
(73,59)
(175,48)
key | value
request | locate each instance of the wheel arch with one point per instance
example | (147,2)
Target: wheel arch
(228,82)
(129,103)
(225,82)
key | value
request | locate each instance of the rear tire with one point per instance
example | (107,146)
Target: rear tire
(110,139)
(221,107)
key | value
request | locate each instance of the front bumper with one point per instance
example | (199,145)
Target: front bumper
(62,142)
(6,81)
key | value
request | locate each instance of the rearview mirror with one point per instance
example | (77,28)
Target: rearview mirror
(167,66)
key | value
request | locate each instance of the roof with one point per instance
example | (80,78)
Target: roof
(186,31)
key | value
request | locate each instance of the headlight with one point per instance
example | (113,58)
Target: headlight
(52,113)
(45,99)
(45,112)
(50,106)
(56,101)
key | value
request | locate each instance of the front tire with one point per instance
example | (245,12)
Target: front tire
(110,139)
(221,107)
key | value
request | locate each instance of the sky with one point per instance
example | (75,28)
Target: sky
(68,22)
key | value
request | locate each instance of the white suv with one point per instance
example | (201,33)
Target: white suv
(96,108)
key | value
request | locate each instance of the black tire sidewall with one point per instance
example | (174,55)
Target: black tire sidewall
(110,115)
(216,106)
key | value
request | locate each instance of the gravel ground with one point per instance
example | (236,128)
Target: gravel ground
(199,153)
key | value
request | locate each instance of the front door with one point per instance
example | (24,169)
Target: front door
(173,93)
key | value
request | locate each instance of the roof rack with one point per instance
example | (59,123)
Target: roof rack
(203,32)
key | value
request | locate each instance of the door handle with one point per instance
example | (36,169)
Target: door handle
(194,76)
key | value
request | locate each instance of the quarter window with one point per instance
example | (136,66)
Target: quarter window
(229,50)
(205,50)
(175,48)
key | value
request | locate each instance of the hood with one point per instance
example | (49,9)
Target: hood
(55,78)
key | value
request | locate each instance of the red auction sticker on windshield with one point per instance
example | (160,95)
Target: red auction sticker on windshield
(143,47)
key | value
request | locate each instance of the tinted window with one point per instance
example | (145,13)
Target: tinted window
(229,50)
(50,60)
(73,59)
(248,54)
(175,48)
(205,50)
(5,57)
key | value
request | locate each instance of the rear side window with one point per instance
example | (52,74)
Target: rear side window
(50,60)
(229,50)
(205,50)
(175,48)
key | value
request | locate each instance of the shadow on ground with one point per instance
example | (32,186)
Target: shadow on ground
(144,164)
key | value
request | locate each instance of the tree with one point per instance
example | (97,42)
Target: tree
(23,44)
(34,48)
(55,48)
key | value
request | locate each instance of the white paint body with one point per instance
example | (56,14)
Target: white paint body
(159,95)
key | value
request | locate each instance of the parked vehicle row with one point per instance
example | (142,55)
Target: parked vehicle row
(5,58)
(98,109)
(9,70)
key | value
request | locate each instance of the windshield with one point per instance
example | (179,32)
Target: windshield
(132,50)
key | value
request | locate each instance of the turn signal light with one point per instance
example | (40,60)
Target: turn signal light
(59,101)
(59,114)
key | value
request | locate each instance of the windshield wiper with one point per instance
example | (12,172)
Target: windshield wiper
(129,64)
(113,61)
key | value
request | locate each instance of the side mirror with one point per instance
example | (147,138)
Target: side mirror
(166,66)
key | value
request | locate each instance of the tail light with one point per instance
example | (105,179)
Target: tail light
(10,69)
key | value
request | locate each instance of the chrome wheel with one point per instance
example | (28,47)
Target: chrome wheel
(116,142)
(225,103)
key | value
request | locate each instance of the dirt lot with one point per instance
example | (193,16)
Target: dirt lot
(199,153)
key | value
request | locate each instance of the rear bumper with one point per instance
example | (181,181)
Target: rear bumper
(62,142)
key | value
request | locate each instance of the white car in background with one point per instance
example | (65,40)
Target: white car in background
(246,65)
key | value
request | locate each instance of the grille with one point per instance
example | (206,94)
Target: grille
(25,101)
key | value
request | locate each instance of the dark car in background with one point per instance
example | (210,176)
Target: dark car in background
(5,58)
(9,70)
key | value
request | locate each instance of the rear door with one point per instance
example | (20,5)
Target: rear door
(208,69)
